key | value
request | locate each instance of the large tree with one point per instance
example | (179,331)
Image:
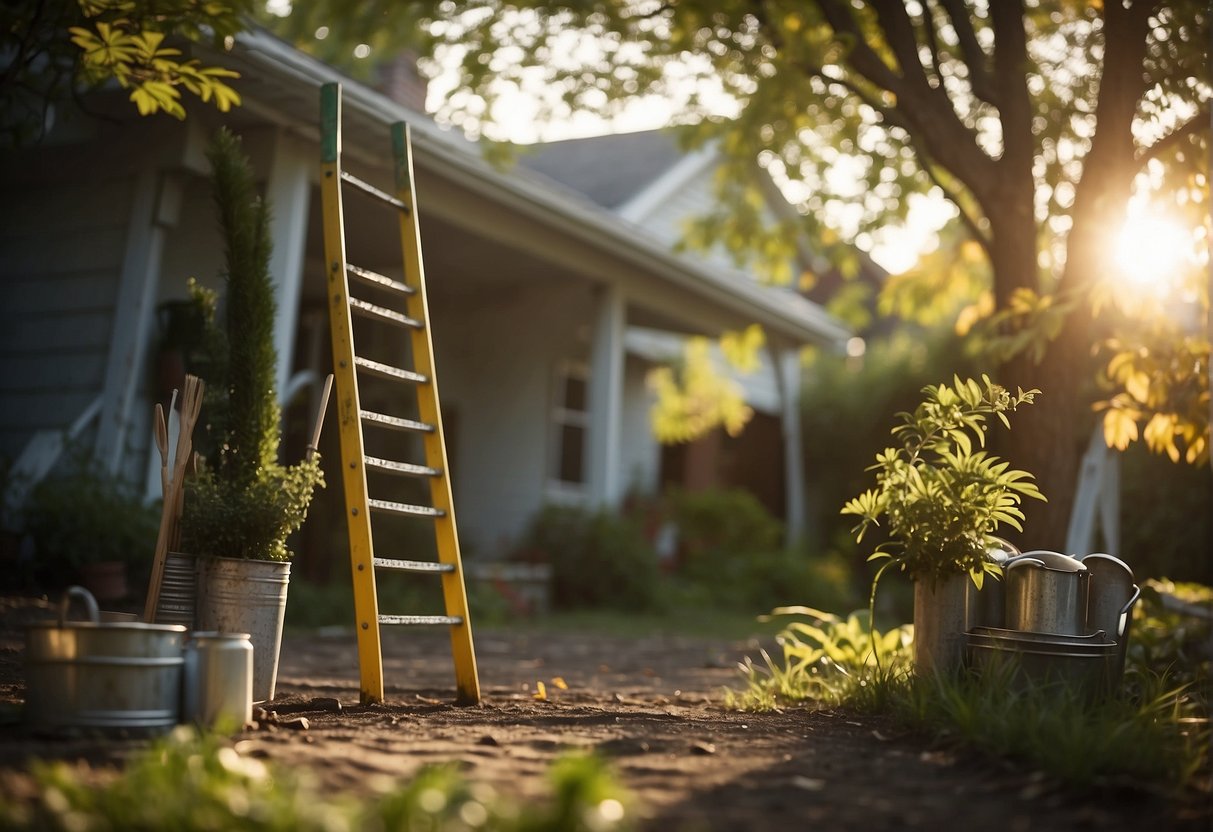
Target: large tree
(1034,119)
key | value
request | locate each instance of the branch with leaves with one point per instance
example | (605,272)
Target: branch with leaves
(940,495)
(125,41)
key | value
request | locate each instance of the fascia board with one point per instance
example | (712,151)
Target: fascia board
(792,316)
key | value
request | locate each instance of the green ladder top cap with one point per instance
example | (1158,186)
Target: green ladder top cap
(400,154)
(330,122)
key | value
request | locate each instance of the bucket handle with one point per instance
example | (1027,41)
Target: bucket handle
(90,603)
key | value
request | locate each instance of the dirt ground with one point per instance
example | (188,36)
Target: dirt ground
(651,706)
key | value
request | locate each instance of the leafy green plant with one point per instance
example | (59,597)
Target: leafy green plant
(598,559)
(941,494)
(86,516)
(827,658)
(1155,734)
(214,787)
(244,503)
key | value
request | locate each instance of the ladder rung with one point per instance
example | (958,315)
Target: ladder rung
(379,281)
(389,466)
(405,509)
(371,190)
(388,371)
(391,316)
(421,619)
(413,565)
(394,422)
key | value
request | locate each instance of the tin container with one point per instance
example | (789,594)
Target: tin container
(218,679)
(1084,664)
(89,674)
(1047,595)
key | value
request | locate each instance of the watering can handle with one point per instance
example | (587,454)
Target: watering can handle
(1126,610)
(90,603)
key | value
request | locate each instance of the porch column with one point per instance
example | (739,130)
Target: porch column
(289,190)
(787,373)
(606,397)
(156,208)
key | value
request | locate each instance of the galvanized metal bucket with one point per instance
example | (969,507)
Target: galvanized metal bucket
(1112,598)
(1083,663)
(178,590)
(248,596)
(1047,592)
(944,612)
(88,674)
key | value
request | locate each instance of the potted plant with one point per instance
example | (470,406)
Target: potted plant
(89,528)
(243,503)
(942,498)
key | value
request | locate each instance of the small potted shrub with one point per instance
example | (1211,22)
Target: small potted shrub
(243,503)
(90,528)
(941,498)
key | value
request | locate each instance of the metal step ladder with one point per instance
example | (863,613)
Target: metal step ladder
(399,305)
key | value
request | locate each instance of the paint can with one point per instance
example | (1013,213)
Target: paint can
(219,680)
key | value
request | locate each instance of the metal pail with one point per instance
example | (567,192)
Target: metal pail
(86,674)
(1112,597)
(1044,599)
(178,590)
(1038,660)
(248,596)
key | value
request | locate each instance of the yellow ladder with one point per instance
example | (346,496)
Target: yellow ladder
(421,378)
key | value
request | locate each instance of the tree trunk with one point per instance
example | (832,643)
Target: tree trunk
(1046,439)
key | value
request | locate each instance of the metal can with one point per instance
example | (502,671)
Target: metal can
(218,679)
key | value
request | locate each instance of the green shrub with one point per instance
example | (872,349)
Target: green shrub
(731,555)
(598,559)
(85,516)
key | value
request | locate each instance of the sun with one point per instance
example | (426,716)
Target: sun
(1151,251)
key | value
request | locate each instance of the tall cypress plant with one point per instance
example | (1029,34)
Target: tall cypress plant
(243,503)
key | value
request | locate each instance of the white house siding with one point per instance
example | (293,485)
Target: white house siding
(667,220)
(62,245)
(495,364)
(641,454)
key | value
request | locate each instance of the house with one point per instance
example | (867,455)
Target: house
(541,299)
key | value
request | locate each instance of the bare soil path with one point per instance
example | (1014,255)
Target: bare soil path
(651,706)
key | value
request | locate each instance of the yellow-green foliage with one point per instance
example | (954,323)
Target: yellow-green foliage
(695,397)
(940,495)
(125,40)
(826,659)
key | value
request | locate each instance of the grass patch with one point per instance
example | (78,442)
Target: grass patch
(188,782)
(1154,733)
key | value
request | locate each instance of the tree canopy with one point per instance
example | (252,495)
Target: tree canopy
(1044,125)
(1039,122)
(52,49)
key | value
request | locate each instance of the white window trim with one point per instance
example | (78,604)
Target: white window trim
(558,490)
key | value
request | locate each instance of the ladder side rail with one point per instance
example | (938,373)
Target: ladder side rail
(446,532)
(357,508)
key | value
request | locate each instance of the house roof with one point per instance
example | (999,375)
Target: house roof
(285,80)
(609,170)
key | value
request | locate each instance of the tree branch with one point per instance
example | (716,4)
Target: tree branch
(971,52)
(1188,128)
(932,39)
(925,111)
(1015,105)
(969,221)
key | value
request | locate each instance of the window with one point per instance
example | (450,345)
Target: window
(570,424)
